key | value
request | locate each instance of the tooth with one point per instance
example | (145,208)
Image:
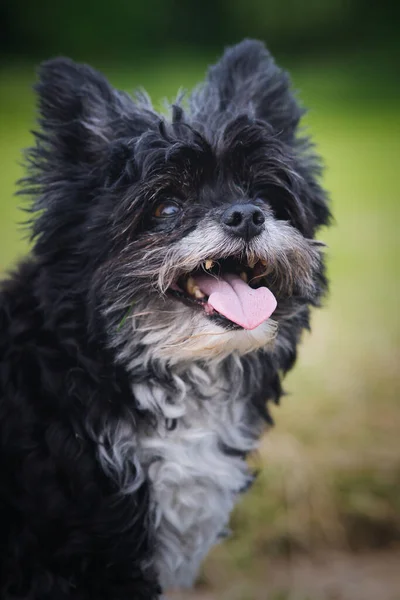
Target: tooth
(198,293)
(243,276)
(252,262)
(190,285)
(209,263)
(193,289)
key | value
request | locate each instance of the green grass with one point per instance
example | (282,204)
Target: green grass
(331,466)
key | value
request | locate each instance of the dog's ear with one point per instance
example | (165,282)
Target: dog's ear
(246,79)
(81,114)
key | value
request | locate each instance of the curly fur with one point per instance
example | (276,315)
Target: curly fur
(126,416)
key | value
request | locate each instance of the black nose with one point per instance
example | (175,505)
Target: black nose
(244,220)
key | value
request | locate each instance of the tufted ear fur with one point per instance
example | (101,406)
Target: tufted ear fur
(84,143)
(246,79)
(81,113)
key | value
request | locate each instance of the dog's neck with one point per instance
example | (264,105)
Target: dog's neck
(196,468)
(165,393)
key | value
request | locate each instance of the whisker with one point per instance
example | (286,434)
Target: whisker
(154,312)
(192,337)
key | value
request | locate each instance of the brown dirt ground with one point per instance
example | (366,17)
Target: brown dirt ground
(332,576)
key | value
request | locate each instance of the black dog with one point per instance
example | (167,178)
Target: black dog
(171,276)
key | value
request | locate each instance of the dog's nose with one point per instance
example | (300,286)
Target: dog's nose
(244,220)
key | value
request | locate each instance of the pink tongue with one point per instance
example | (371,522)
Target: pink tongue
(236,300)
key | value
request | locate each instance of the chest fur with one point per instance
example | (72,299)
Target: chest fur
(197,470)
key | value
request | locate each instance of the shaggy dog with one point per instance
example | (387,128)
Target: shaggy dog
(172,273)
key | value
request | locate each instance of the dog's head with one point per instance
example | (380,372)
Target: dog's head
(192,235)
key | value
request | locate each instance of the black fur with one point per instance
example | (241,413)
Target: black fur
(100,164)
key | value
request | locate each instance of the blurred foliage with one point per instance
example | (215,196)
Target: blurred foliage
(124,29)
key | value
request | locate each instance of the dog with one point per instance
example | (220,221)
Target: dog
(173,268)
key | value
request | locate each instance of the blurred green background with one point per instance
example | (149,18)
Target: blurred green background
(323,520)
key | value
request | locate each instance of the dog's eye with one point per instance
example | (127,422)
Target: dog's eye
(166,210)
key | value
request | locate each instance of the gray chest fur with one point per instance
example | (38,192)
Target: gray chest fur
(194,480)
(197,470)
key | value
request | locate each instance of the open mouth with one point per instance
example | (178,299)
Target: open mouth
(228,290)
